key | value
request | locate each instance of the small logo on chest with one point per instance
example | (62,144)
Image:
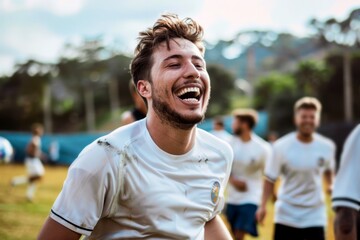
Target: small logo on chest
(321,162)
(215,190)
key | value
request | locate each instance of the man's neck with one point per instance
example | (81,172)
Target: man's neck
(245,136)
(170,139)
(304,138)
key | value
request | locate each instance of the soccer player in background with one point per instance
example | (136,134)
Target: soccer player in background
(245,188)
(300,158)
(160,177)
(139,110)
(219,129)
(346,194)
(34,166)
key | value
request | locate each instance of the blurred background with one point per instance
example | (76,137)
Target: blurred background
(65,64)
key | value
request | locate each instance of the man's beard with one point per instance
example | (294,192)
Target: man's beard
(173,118)
(238,131)
(306,133)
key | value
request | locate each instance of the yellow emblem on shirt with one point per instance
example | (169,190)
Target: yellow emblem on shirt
(215,190)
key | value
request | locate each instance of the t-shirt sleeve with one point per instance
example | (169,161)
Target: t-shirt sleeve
(274,164)
(81,201)
(266,155)
(346,191)
(331,163)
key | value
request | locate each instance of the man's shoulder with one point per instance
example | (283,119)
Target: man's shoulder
(354,136)
(216,146)
(285,140)
(114,142)
(212,143)
(204,136)
(260,142)
(124,135)
(356,130)
(325,141)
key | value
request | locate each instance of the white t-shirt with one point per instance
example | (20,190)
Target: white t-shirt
(346,191)
(123,186)
(34,165)
(301,165)
(248,166)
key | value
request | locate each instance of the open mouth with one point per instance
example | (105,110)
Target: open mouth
(189,94)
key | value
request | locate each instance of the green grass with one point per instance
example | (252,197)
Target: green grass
(20,219)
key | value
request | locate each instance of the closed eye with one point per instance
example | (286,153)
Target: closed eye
(174,65)
(199,66)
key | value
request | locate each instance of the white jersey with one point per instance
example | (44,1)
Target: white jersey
(222,134)
(346,191)
(300,200)
(123,186)
(34,165)
(248,166)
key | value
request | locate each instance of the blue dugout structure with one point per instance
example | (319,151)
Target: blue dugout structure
(70,145)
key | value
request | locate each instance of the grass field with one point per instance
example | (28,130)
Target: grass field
(20,219)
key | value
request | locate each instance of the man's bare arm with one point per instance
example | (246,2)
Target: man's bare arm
(268,191)
(329,176)
(345,224)
(53,230)
(240,185)
(215,229)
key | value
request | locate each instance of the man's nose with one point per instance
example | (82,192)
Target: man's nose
(191,71)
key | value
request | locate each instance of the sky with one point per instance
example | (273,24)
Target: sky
(39,29)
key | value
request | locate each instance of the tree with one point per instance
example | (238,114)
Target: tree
(119,74)
(27,91)
(344,36)
(222,84)
(310,76)
(83,66)
(271,85)
(277,93)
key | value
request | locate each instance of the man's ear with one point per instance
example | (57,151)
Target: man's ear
(144,88)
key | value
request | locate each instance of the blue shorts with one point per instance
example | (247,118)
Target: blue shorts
(242,217)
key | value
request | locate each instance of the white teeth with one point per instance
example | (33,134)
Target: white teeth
(191,100)
(189,89)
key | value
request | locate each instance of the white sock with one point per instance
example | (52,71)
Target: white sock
(31,191)
(19,180)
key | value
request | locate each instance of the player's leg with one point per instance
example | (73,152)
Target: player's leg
(35,178)
(248,219)
(36,171)
(19,180)
(283,232)
(314,233)
(231,216)
(234,217)
(30,192)
(239,235)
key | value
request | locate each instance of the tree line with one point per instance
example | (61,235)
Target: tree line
(88,84)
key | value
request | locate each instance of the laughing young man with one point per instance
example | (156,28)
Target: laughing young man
(161,177)
(300,158)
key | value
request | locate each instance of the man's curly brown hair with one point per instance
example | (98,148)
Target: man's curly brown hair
(167,27)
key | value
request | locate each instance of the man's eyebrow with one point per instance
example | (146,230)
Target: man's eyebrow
(175,56)
(178,56)
(195,57)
